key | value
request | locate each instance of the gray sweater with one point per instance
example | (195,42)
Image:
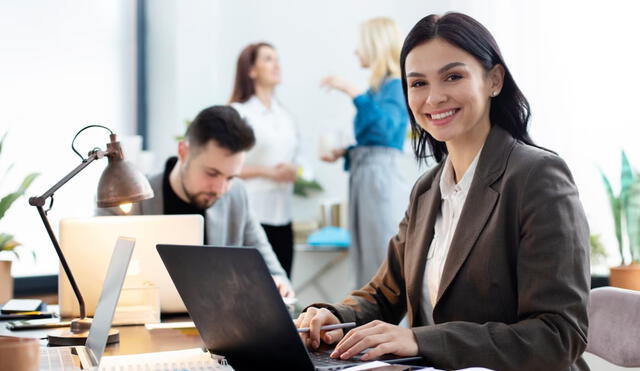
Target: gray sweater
(229,221)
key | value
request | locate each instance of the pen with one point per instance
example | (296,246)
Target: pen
(26,315)
(330,327)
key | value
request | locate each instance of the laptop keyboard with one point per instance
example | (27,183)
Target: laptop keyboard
(322,359)
(57,359)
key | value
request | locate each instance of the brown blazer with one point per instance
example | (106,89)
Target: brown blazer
(514,290)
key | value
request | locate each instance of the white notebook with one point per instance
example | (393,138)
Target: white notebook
(189,359)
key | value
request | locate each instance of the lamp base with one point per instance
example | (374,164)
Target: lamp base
(67,338)
(77,334)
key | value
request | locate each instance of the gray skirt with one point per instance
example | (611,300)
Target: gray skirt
(378,197)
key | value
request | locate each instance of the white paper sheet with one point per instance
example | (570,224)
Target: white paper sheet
(188,359)
(366,366)
(153,326)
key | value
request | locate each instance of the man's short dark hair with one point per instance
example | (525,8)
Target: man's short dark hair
(223,125)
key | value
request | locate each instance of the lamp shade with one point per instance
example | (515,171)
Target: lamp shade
(121,182)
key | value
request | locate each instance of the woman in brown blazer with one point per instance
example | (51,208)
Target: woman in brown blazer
(490,264)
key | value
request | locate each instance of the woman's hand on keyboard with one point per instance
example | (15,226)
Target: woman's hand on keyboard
(314,318)
(381,338)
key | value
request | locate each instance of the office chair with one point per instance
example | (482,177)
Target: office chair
(614,325)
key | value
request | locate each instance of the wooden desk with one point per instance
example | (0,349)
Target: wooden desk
(133,339)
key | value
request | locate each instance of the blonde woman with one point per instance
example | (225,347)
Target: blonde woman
(378,192)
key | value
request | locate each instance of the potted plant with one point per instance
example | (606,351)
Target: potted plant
(626,216)
(7,243)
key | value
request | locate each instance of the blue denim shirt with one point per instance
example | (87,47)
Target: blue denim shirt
(381,117)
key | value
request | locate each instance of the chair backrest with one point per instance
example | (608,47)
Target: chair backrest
(614,325)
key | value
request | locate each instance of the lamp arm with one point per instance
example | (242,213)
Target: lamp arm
(63,261)
(39,202)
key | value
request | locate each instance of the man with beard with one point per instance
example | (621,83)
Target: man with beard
(203,179)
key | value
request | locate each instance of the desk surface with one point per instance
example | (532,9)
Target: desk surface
(133,339)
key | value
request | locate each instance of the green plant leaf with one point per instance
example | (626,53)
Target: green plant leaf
(632,215)
(615,204)
(8,200)
(26,183)
(7,243)
(627,176)
(598,252)
(11,245)
(4,240)
(302,187)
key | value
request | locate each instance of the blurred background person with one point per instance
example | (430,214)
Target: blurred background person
(270,168)
(378,191)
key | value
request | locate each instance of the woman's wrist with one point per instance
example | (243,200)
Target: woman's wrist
(352,91)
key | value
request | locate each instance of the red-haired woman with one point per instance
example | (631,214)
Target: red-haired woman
(270,168)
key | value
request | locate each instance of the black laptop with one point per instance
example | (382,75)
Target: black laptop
(238,311)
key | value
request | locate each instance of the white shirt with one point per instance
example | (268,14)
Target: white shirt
(276,142)
(453,198)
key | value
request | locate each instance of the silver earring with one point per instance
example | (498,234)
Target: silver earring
(494,94)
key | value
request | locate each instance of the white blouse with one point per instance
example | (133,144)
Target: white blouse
(276,142)
(453,198)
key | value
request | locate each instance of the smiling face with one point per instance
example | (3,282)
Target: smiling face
(266,70)
(449,91)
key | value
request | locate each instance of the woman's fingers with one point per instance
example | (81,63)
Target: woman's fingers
(355,336)
(303,321)
(332,336)
(314,319)
(401,341)
(326,81)
(381,338)
(332,81)
(380,350)
(320,319)
(366,342)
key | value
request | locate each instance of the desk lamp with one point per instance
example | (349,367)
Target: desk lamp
(120,184)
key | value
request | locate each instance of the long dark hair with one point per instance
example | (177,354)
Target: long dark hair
(509,110)
(243,87)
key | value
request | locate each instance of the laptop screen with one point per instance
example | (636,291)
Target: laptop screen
(236,306)
(106,307)
(88,244)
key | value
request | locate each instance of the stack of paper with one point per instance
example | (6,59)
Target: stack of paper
(194,359)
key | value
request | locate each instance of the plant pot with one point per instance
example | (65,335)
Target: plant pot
(625,276)
(6,281)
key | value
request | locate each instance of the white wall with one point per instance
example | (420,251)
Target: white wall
(63,65)
(574,60)
(313,39)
